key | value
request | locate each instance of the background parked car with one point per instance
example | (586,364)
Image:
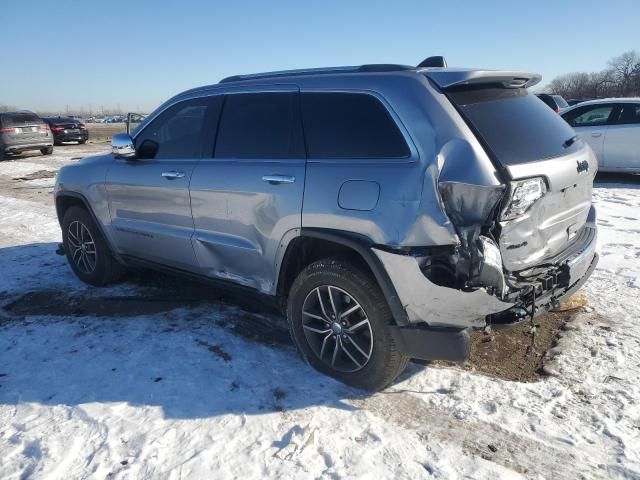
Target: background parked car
(23,131)
(67,129)
(575,101)
(555,102)
(612,127)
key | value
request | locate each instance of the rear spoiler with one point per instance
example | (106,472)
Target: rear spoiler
(447,78)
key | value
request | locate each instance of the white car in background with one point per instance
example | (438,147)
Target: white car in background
(612,127)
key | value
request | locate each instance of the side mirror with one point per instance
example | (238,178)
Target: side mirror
(122,146)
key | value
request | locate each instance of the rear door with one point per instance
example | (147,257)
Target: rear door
(592,124)
(247,196)
(149,196)
(622,142)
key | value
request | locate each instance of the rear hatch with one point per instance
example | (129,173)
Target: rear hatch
(526,140)
(22,128)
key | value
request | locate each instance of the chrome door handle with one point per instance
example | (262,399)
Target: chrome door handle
(172,175)
(596,134)
(278,179)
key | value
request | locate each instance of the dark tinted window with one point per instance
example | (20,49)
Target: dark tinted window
(547,100)
(16,119)
(630,113)
(590,115)
(260,125)
(181,131)
(350,125)
(514,124)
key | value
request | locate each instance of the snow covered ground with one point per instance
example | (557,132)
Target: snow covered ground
(179,393)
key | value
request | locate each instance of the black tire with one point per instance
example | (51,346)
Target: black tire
(82,142)
(47,150)
(106,269)
(384,363)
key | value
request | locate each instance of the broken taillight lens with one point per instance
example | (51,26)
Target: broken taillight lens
(525,194)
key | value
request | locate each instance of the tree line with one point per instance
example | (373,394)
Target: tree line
(620,79)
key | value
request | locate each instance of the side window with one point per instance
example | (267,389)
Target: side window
(589,115)
(630,114)
(350,125)
(260,125)
(177,133)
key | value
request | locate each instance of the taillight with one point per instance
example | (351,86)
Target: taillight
(44,127)
(82,127)
(9,130)
(57,128)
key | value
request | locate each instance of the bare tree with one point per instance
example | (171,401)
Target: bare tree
(621,79)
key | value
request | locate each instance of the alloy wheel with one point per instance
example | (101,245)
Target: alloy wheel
(82,246)
(337,329)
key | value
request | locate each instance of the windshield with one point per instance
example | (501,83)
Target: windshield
(513,124)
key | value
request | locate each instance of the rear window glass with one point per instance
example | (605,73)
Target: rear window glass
(513,124)
(17,119)
(62,120)
(350,125)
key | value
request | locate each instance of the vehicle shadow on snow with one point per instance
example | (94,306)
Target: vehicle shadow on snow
(156,340)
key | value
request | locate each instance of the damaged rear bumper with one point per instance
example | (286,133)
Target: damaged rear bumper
(439,315)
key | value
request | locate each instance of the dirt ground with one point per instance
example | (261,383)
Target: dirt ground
(102,132)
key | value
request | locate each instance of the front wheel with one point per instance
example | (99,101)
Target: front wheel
(339,320)
(87,251)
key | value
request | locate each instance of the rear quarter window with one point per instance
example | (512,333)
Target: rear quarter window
(19,118)
(350,126)
(513,124)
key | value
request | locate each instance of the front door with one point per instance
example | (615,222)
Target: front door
(592,123)
(247,196)
(149,196)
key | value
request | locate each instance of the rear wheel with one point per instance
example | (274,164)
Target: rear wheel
(87,251)
(47,150)
(340,322)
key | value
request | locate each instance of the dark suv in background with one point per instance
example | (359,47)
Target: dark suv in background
(23,131)
(67,129)
(555,102)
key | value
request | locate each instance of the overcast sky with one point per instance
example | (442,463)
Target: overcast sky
(136,54)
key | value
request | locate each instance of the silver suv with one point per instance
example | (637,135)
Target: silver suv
(388,208)
(24,131)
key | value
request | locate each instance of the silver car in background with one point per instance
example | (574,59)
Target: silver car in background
(611,127)
(24,131)
(388,209)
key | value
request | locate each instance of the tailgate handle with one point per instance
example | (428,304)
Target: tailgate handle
(596,134)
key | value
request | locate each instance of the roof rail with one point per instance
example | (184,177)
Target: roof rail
(372,68)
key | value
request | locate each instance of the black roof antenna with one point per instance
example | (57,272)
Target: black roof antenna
(437,61)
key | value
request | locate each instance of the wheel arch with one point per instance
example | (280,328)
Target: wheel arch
(66,199)
(314,244)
